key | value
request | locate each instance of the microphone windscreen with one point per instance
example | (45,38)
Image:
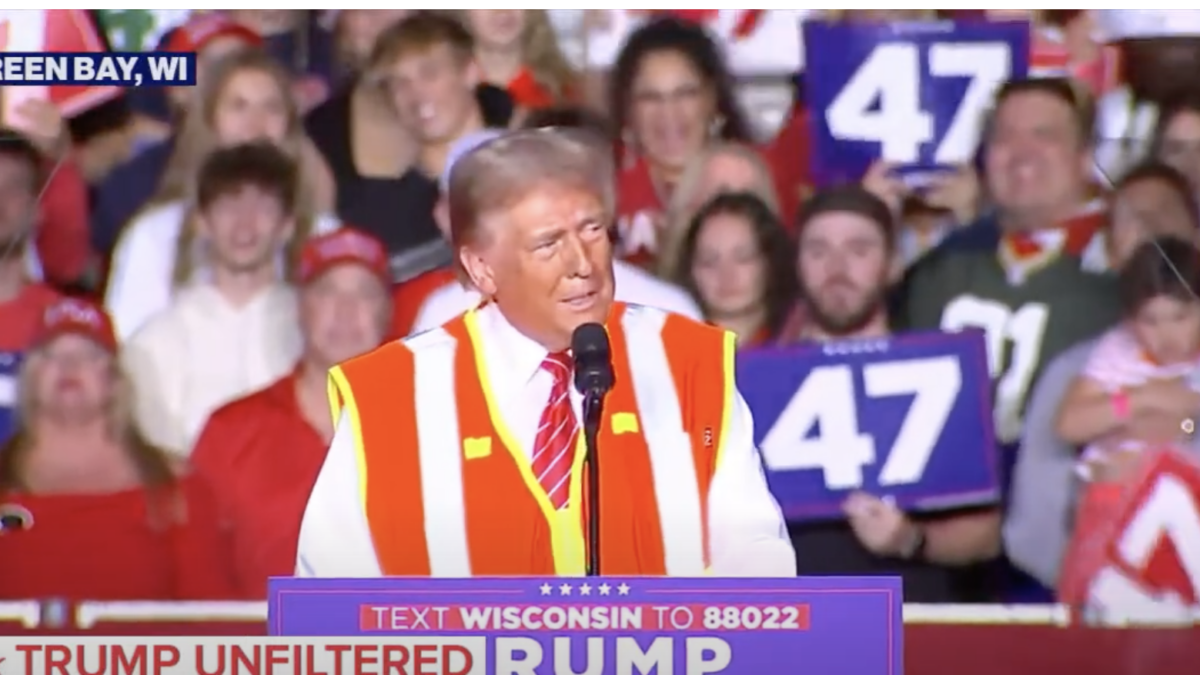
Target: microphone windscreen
(589,345)
(593,364)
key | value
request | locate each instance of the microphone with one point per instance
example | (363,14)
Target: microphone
(593,362)
(593,379)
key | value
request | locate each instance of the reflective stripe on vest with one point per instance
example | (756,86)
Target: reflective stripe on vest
(675,484)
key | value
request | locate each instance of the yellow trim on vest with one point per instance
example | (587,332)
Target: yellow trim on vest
(624,423)
(477,448)
(566,526)
(335,398)
(727,361)
(339,384)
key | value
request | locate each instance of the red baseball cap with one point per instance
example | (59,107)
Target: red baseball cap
(343,246)
(75,316)
(202,29)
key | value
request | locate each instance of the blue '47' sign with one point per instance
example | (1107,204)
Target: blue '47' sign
(908,417)
(913,94)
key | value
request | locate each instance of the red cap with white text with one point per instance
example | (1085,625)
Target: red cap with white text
(74,316)
(343,246)
(202,29)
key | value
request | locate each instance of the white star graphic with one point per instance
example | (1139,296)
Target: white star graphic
(623,590)
(585,590)
(545,589)
(604,589)
(565,589)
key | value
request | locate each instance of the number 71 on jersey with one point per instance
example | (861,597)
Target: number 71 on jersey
(908,418)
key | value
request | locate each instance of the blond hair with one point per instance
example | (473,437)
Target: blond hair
(157,471)
(541,53)
(197,139)
(501,172)
(683,203)
(544,57)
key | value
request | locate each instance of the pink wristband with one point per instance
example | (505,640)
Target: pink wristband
(1120,404)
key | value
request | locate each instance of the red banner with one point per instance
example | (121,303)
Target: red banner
(930,649)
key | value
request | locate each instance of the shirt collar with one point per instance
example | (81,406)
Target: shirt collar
(522,356)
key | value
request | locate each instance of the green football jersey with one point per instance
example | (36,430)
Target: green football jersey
(1027,322)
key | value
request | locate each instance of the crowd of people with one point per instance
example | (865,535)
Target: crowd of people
(178,275)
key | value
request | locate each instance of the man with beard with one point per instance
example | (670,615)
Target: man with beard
(845,265)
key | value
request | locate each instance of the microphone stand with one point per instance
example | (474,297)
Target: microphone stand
(593,405)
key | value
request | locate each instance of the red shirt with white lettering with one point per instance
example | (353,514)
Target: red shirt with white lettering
(127,545)
(261,457)
(639,214)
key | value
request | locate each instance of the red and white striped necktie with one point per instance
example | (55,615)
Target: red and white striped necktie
(553,449)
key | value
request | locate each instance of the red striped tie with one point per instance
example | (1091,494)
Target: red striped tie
(553,450)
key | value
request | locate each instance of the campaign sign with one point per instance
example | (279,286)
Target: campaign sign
(914,94)
(1157,535)
(907,417)
(1135,550)
(606,625)
(10,365)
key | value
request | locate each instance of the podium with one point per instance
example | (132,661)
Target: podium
(599,625)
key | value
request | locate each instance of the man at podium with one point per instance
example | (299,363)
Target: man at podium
(459,451)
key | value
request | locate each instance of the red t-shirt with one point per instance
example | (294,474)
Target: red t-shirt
(21,316)
(408,297)
(639,214)
(107,547)
(527,92)
(262,458)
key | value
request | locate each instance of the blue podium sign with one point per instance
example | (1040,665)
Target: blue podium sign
(908,417)
(915,94)
(611,625)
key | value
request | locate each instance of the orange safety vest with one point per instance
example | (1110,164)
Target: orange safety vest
(447,491)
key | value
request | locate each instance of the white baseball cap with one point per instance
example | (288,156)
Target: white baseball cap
(1115,25)
(461,148)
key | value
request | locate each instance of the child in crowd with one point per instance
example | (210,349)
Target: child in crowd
(1140,386)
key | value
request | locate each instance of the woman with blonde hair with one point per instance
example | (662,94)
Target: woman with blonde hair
(246,98)
(721,167)
(518,50)
(88,508)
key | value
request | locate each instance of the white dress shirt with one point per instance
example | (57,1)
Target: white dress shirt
(140,275)
(747,534)
(631,284)
(201,353)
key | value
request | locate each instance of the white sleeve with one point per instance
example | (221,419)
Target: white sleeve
(747,533)
(335,539)
(139,279)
